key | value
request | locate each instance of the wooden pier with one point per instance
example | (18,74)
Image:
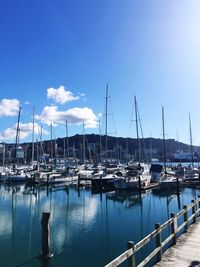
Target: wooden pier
(186,253)
(182,241)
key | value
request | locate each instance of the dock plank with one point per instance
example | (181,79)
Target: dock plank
(186,252)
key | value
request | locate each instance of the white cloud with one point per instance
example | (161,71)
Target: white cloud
(82,94)
(50,114)
(99,115)
(9,107)
(60,95)
(26,129)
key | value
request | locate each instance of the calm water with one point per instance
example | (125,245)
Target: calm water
(86,229)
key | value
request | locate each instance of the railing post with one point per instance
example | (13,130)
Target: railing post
(158,241)
(174,227)
(185,217)
(198,203)
(131,259)
(194,211)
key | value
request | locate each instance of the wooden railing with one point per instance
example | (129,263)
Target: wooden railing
(130,253)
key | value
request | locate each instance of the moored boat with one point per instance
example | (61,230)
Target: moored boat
(137,176)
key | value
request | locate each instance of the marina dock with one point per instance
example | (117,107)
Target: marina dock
(186,252)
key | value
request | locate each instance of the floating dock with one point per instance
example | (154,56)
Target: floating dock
(150,186)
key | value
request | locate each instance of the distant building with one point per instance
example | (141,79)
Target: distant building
(147,154)
(184,156)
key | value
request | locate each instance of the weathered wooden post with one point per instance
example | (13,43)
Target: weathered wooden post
(79,184)
(158,241)
(45,235)
(34,178)
(139,183)
(174,227)
(185,218)
(198,206)
(194,211)
(179,201)
(48,178)
(131,259)
(101,182)
(101,197)
(178,185)
(79,180)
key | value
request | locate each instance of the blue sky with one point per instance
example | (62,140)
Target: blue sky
(58,56)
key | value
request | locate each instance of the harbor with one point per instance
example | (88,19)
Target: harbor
(62,205)
(99,133)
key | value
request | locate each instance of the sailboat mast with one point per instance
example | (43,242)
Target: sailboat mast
(64,148)
(51,145)
(127,151)
(67,138)
(33,133)
(17,133)
(106,123)
(137,131)
(83,143)
(100,145)
(3,154)
(191,146)
(41,146)
(150,148)
(179,147)
(136,120)
(164,147)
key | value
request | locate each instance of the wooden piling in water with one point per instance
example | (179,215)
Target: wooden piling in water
(45,236)
(101,182)
(79,180)
(139,182)
(178,185)
(34,178)
(48,178)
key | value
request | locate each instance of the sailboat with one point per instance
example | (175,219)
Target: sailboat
(137,174)
(16,174)
(167,179)
(105,178)
(191,172)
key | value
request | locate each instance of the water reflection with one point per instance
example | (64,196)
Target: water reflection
(127,198)
(96,226)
